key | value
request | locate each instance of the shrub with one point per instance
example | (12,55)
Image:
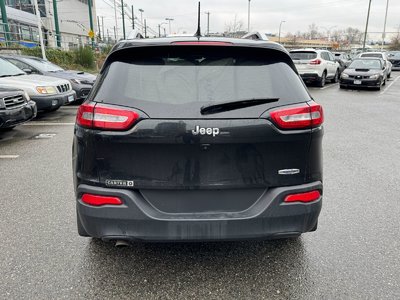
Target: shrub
(84,56)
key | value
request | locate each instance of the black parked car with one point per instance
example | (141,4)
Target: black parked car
(198,139)
(394,58)
(364,72)
(81,82)
(15,108)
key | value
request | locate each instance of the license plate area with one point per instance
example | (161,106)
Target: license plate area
(357,82)
(71,98)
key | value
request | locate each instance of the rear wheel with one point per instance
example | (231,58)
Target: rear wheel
(322,80)
(342,86)
(7,129)
(336,78)
(390,74)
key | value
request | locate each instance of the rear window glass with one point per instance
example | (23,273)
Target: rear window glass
(371,55)
(303,55)
(178,76)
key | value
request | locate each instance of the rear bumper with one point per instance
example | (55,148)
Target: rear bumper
(82,91)
(50,102)
(269,217)
(309,77)
(16,116)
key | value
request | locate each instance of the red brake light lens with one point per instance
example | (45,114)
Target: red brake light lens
(96,200)
(303,117)
(315,62)
(104,117)
(303,197)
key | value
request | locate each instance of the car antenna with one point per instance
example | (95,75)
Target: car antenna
(198,32)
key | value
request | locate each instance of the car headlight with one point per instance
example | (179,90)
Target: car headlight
(376,76)
(46,90)
(27,97)
(344,75)
(76,81)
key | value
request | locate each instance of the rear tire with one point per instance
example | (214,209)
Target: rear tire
(342,87)
(336,78)
(390,74)
(7,129)
(322,81)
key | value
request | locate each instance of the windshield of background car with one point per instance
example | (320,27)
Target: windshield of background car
(394,55)
(365,64)
(44,66)
(303,55)
(377,55)
(181,75)
(7,68)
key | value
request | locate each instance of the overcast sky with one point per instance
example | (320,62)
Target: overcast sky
(265,14)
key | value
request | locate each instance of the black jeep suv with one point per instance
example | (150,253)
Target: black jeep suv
(198,139)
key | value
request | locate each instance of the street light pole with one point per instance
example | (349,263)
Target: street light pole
(91,20)
(384,25)
(208,23)
(366,25)
(169,22)
(56,25)
(248,17)
(5,21)
(116,21)
(141,19)
(280,27)
(39,22)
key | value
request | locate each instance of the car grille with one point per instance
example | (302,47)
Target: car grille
(63,88)
(395,63)
(13,101)
(358,77)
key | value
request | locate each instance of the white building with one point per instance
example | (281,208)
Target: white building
(73,20)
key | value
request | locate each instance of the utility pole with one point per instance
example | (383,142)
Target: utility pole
(159,30)
(108,36)
(248,18)
(116,20)
(39,22)
(123,19)
(366,25)
(208,23)
(169,22)
(145,29)
(98,25)
(56,25)
(141,19)
(91,21)
(102,26)
(384,25)
(133,18)
(5,21)
(165,33)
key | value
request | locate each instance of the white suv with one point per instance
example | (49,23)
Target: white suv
(316,65)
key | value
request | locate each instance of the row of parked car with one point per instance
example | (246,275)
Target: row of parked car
(31,84)
(367,69)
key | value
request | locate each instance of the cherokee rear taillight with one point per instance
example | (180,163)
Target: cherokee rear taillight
(315,62)
(97,200)
(303,197)
(302,117)
(103,117)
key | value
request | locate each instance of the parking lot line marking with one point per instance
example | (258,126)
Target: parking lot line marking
(329,86)
(38,123)
(8,156)
(388,87)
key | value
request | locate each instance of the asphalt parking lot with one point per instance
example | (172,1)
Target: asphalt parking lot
(354,254)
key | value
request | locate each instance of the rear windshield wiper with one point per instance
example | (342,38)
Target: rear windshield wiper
(227,106)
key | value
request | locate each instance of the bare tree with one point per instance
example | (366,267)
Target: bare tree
(313,31)
(395,42)
(234,27)
(353,35)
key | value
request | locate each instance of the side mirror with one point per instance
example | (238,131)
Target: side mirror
(27,71)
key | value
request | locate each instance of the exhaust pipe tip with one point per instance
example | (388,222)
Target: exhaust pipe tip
(121,244)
